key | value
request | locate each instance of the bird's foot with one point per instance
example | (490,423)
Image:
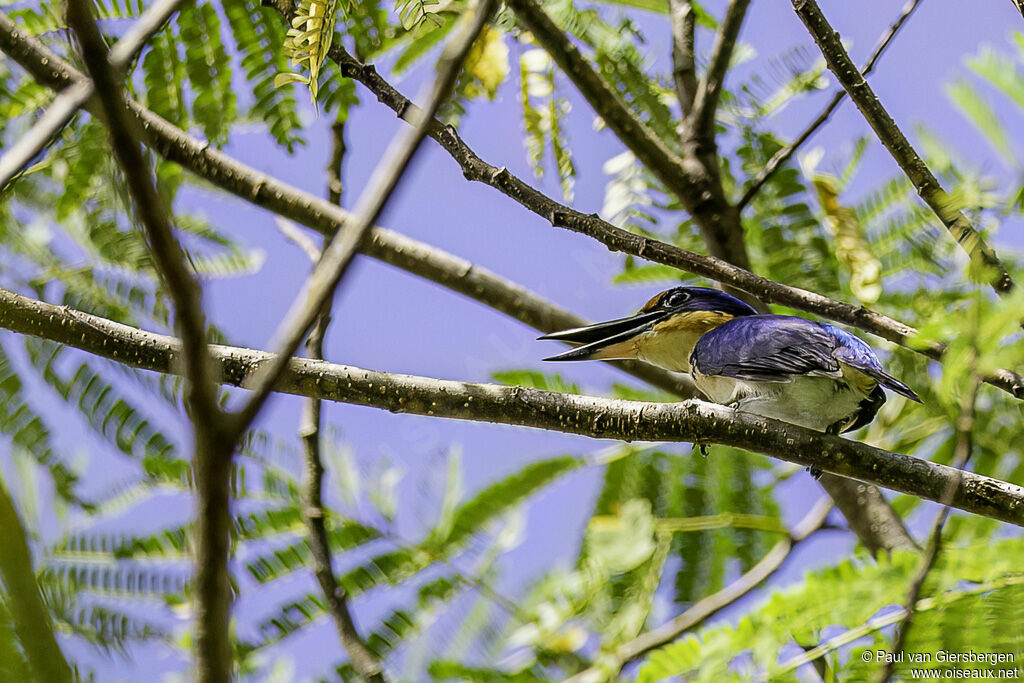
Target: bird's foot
(704,449)
(815,472)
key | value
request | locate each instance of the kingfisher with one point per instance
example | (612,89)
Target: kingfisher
(803,372)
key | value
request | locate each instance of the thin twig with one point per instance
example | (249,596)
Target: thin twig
(784,154)
(601,418)
(302,207)
(362,659)
(213,448)
(710,89)
(962,453)
(342,247)
(66,104)
(924,181)
(684,69)
(707,607)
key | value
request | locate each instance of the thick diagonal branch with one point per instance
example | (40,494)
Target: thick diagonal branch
(924,181)
(784,154)
(684,68)
(600,418)
(23,600)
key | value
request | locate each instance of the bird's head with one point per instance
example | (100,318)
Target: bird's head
(663,332)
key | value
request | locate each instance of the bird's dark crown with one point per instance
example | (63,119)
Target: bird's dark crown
(680,299)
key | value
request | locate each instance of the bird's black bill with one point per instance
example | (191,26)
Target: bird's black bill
(600,340)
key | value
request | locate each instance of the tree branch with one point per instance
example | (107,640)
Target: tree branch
(302,207)
(684,69)
(899,147)
(702,121)
(709,606)
(167,254)
(343,245)
(66,104)
(784,154)
(600,418)
(869,514)
(694,178)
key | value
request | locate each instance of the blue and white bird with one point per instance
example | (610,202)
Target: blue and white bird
(810,374)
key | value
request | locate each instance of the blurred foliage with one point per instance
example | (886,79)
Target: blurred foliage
(667,527)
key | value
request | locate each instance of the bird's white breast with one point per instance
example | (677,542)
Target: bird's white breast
(808,401)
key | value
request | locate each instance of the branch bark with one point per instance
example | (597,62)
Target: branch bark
(784,154)
(709,92)
(924,181)
(684,69)
(213,444)
(869,514)
(262,190)
(600,418)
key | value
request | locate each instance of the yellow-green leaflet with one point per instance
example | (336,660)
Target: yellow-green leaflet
(309,40)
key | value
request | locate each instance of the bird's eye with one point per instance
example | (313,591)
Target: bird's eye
(676,299)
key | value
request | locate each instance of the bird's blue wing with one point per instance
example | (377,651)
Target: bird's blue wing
(775,348)
(767,348)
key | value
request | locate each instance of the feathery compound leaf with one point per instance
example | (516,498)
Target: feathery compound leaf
(977,109)
(310,37)
(848,599)
(164,78)
(260,41)
(412,13)
(209,70)
(852,247)
(543,111)
(107,411)
(28,431)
